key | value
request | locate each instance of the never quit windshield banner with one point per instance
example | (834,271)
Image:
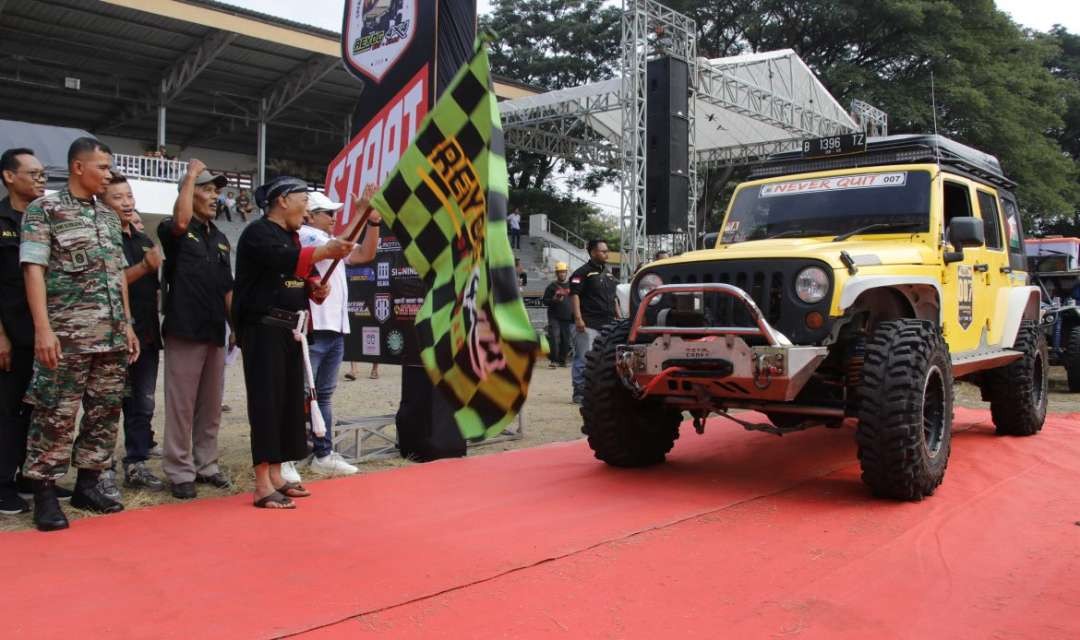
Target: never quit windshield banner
(400,51)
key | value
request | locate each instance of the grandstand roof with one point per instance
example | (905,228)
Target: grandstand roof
(216,63)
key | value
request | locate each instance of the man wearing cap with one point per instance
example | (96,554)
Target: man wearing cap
(275,280)
(330,320)
(560,316)
(198,293)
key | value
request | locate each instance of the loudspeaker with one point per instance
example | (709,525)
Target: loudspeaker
(667,160)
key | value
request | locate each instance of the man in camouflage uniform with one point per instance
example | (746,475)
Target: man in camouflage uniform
(73,261)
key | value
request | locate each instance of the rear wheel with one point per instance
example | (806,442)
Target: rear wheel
(1072,359)
(622,430)
(1018,390)
(905,410)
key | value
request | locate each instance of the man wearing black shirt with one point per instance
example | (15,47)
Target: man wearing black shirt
(24,178)
(143,261)
(198,293)
(592,297)
(275,278)
(560,316)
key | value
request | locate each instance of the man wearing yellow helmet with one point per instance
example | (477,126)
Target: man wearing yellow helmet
(560,316)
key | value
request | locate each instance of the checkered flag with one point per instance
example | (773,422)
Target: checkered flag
(446,203)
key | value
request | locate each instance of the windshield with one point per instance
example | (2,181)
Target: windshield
(883,201)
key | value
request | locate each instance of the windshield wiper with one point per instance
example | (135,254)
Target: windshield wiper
(803,232)
(877,225)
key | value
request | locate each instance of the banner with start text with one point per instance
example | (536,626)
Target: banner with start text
(397,50)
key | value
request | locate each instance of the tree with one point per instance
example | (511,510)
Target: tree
(994,83)
(551,44)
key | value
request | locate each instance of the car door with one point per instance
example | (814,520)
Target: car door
(965,306)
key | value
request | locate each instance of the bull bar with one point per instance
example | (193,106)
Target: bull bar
(691,366)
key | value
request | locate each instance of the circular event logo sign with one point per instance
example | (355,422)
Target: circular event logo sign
(395,342)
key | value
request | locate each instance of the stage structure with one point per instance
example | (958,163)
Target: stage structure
(741,110)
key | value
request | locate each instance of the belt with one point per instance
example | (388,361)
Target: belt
(281,319)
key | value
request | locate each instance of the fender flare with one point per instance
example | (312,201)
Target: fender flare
(1021,303)
(859,285)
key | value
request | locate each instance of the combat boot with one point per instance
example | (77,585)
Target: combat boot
(48,516)
(89,497)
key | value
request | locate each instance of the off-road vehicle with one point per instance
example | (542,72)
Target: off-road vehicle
(853,282)
(1054,267)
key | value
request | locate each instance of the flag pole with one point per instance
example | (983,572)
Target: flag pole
(352,236)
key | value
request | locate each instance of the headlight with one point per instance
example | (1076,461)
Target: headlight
(812,285)
(646,284)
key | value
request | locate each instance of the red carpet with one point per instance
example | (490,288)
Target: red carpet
(739,535)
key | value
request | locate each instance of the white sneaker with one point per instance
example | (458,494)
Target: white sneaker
(334,465)
(289,472)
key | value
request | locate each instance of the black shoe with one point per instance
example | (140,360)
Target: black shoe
(92,499)
(48,516)
(11,503)
(183,490)
(219,480)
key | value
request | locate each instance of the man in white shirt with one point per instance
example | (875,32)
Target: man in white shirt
(514,222)
(330,321)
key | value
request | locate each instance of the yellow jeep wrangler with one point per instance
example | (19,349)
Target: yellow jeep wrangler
(855,280)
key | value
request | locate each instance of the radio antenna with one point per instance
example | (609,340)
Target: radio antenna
(933,108)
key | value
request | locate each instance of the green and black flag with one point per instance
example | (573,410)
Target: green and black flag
(446,202)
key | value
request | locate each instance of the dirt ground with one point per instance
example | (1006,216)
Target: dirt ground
(549,416)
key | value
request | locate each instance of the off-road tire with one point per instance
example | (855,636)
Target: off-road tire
(1018,390)
(1072,359)
(622,430)
(905,410)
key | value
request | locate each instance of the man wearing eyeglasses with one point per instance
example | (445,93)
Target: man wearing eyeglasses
(330,320)
(24,178)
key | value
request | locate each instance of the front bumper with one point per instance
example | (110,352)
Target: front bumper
(702,363)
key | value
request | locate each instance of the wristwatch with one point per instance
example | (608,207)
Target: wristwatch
(374,224)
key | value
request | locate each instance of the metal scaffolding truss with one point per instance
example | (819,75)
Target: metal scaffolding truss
(741,110)
(870,119)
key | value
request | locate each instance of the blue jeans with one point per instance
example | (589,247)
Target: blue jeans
(139,406)
(582,343)
(327,348)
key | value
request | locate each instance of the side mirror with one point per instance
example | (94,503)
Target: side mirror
(964,232)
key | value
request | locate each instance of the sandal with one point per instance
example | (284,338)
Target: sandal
(293,490)
(374,375)
(350,376)
(279,501)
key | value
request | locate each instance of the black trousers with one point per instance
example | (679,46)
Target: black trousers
(560,336)
(274,378)
(14,413)
(139,406)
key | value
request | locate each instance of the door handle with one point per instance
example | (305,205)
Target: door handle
(982,268)
(1006,269)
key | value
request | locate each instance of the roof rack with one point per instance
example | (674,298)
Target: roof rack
(907,149)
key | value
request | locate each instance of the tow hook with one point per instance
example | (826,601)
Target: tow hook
(699,421)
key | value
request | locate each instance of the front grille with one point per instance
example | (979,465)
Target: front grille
(770,283)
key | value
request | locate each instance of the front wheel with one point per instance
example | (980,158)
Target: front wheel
(1018,391)
(622,430)
(905,410)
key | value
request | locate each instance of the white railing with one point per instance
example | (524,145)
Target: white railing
(163,170)
(149,168)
